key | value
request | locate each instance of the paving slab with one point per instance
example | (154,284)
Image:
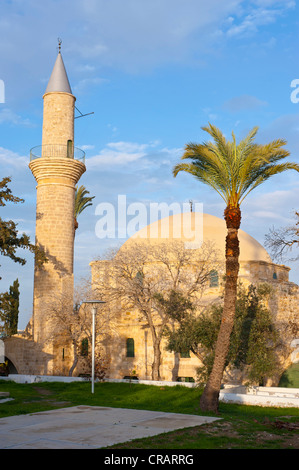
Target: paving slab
(89,427)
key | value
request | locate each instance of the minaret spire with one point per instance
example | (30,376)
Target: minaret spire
(59,81)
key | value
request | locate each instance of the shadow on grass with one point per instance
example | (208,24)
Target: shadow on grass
(241,426)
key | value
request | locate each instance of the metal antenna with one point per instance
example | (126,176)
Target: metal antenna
(81,115)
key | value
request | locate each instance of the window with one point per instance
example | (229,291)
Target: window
(185,354)
(214,281)
(84,347)
(70,149)
(274,276)
(130,347)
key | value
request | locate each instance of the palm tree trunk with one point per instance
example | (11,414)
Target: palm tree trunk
(210,398)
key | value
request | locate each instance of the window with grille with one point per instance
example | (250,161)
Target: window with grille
(214,280)
(185,354)
(84,347)
(130,347)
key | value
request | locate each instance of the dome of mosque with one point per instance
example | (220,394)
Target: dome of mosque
(193,228)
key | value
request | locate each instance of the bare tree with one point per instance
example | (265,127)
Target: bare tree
(140,271)
(69,321)
(282,241)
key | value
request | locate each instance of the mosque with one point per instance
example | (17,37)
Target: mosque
(57,166)
(132,347)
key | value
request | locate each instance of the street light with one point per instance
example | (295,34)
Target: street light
(94,312)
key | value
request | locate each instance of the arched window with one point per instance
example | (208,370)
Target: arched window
(214,280)
(70,149)
(185,354)
(130,347)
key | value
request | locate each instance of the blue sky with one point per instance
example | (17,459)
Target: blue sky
(153,73)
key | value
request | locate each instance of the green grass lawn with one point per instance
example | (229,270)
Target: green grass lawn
(241,427)
(290,378)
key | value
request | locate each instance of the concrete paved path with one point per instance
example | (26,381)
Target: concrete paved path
(88,427)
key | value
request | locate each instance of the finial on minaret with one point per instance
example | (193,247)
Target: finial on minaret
(59,81)
(59,45)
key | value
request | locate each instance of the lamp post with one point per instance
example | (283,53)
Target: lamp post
(93,312)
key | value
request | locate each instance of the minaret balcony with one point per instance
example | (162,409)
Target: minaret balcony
(57,151)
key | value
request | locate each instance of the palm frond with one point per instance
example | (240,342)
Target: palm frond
(265,174)
(232,169)
(82,201)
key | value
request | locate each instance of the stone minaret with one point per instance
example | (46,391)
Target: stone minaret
(57,167)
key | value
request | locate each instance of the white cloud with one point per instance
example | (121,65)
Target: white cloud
(285,127)
(93,51)
(127,147)
(146,34)
(9,116)
(267,12)
(243,102)
(86,83)
(131,34)
(270,3)
(112,128)
(86,147)
(149,156)
(12,159)
(276,206)
(264,214)
(117,153)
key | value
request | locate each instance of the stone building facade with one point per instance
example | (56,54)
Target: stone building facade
(131,351)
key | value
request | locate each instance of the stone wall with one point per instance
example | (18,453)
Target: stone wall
(56,178)
(31,357)
(56,175)
(27,356)
(58,119)
(284,305)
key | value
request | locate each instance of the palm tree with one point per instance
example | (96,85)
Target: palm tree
(81,202)
(233,171)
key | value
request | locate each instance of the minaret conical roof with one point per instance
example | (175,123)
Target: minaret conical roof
(59,80)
